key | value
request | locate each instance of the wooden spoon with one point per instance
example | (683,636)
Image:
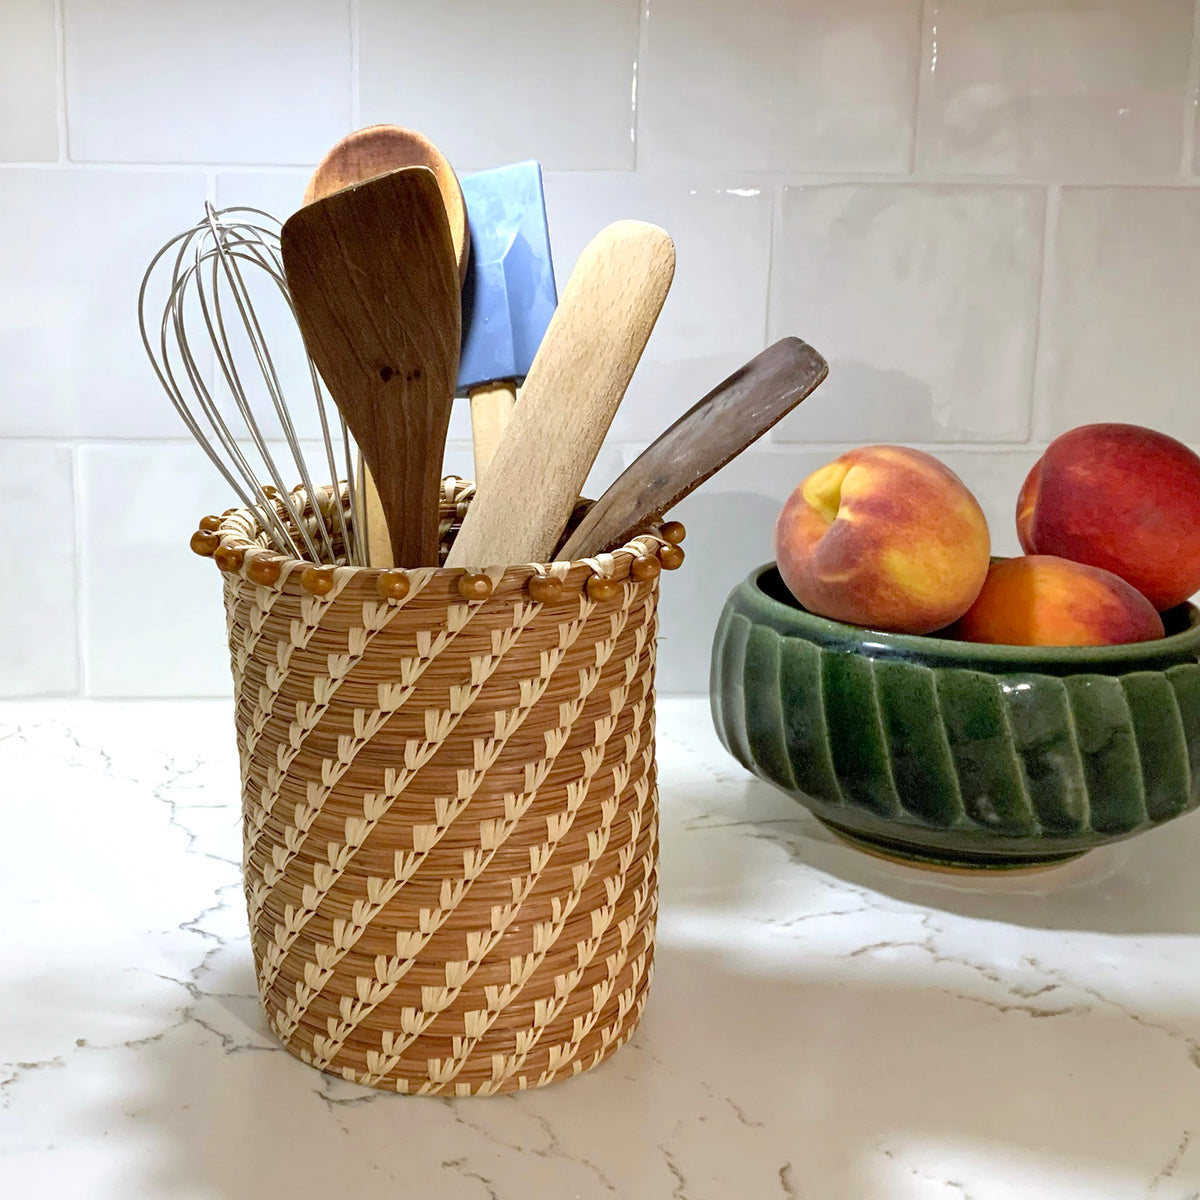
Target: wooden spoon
(372,274)
(377,149)
(711,433)
(360,156)
(577,379)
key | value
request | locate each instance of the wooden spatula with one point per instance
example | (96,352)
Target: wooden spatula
(373,278)
(360,156)
(576,381)
(700,443)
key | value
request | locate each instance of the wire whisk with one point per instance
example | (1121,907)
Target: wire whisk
(207,271)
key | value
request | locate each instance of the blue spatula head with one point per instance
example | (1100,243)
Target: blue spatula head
(509,294)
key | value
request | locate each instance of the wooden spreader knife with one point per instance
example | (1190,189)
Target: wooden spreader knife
(732,416)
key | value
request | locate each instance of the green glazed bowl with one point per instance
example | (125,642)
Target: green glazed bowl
(953,753)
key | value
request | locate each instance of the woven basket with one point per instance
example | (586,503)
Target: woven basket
(449,807)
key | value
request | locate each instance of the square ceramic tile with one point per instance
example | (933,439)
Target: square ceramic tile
(213,81)
(924,300)
(715,314)
(28,81)
(154,624)
(70,352)
(1066,89)
(38,615)
(496,83)
(730,521)
(1119,332)
(812,85)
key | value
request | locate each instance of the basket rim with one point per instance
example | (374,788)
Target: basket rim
(240,529)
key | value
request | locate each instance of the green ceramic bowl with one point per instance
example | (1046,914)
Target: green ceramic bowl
(954,753)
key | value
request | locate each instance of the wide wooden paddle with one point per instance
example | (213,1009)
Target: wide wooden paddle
(372,274)
(577,379)
(360,156)
(734,414)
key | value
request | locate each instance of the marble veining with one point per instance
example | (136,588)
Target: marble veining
(821,1024)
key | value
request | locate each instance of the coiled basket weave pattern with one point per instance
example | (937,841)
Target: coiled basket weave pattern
(449,811)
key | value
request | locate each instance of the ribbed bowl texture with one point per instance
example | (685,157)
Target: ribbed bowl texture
(954,753)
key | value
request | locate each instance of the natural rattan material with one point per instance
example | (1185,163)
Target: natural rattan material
(449,816)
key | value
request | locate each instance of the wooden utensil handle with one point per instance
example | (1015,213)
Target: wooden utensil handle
(578,377)
(491,410)
(369,512)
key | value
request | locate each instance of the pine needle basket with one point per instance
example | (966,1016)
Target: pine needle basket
(449,805)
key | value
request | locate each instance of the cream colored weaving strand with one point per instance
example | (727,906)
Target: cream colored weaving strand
(450,828)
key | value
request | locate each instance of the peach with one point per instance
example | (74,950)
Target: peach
(884,537)
(1122,498)
(1042,600)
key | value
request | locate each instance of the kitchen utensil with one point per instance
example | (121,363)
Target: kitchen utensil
(377,149)
(578,377)
(372,273)
(212,276)
(360,156)
(508,298)
(732,416)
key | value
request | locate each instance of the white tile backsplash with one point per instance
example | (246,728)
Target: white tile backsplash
(38,612)
(494,83)
(1119,339)
(28,81)
(985,213)
(73,361)
(207,80)
(1067,89)
(715,315)
(811,85)
(154,624)
(924,299)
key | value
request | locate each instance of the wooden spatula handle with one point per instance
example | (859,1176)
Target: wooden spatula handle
(578,377)
(491,410)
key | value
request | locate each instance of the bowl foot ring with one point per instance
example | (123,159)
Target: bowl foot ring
(950,864)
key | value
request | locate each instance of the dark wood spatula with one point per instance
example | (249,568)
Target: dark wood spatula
(700,443)
(374,280)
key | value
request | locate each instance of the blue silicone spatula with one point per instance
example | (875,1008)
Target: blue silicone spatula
(508,296)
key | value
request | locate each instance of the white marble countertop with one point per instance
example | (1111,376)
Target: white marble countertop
(821,1025)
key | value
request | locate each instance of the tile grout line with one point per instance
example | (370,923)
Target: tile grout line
(60,80)
(1045,289)
(639,81)
(924,38)
(81,592)
(355,63)
(1187,164)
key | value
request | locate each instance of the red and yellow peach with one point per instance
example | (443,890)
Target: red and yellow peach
(884,537)
(1122,498)
(1041,600)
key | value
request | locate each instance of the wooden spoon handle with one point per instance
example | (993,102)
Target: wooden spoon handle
(572,391)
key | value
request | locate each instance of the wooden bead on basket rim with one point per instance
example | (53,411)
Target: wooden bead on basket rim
(393,585)
(210,524)
(318,580)
(673,532)
(644,567)
(264,570)
(228,558)
(603,587)
(474,587)
(671,557)
(545,589)
(205,543)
